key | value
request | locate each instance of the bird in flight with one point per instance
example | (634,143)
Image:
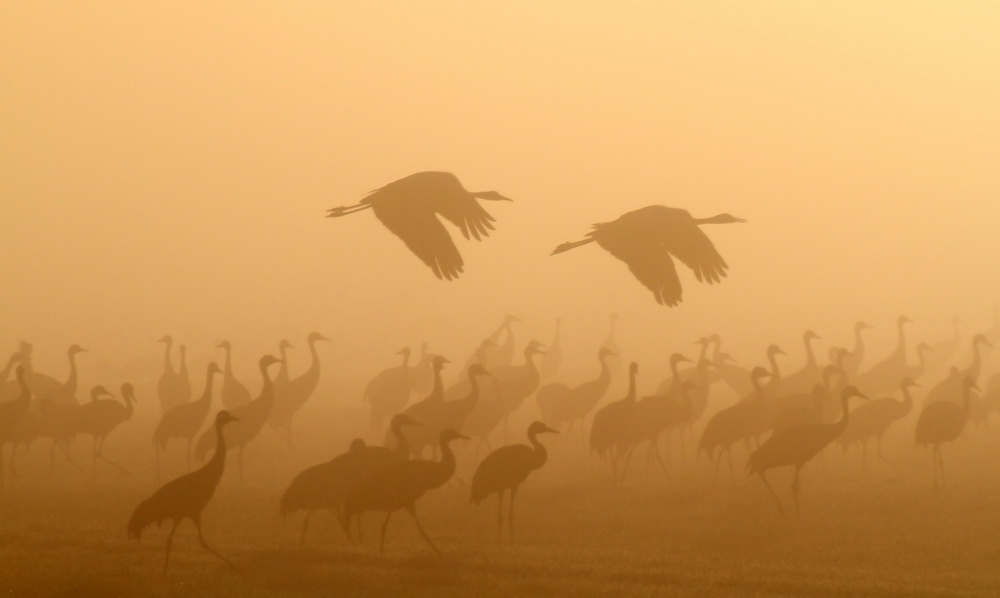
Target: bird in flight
(409,208)
(646,238)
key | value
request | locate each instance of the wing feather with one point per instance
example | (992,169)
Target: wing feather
(425,236)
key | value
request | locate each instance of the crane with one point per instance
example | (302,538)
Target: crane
(297,391)
(234,394)
(943,421)
(410,206)
(184,420)
(645,239)
(10,413)
(389,391)
(506,469)
(100,416)
(612,423)
(872,419)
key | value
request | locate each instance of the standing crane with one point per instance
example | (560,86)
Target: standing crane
(184,421)
(389,391)
(857,355)
(797,445)
(424,411)
(886,374)
(943,421)
(512,385)
(804,379)
(506,469)
(100,416)
(552,359)
(234,394)
(251,419)
(297,392)
(170,388)
(10,413)
(734,423)
(646,238)
(609,430)
(560,404)
(410,206)
(400,485)
(872,419)
(185,497)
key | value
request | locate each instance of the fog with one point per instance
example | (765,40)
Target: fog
(166,169)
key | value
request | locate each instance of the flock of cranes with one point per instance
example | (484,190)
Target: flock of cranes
(780,419)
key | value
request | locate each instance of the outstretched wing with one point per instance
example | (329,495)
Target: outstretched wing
(685,240)
(466,214)
(647,258)
(424,234)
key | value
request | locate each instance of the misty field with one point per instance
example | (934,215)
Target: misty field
(884,533)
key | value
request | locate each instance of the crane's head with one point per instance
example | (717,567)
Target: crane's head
(447,435)
(633,369)
(858,327)
(810,335)
(224,417)
(74,349)
(538,427)
(405,352)
(724,357)
(922,347)
(167,339)
(284,344)
(267,361)
(510,318)
(213,368)
(98,392)
(723,218)
(478,370)
(224,345)
(759,373)
(703,341)
(439,361)
(677,358)
(908,383)
(316,337)
(774,350)
(534,348)
(851,391)
(491,196)
(903,320)
(358,446)
(401,420)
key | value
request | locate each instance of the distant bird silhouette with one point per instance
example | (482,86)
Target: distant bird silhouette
(389,391)
(422,378)
(452,414)
(100,416)
(400,485)
(410,206)
(804,379)
(424,410)
(923,364)
(734,423)
(251,419)
(797,446)
(951,387)
(852,365)
(550,363)
(234,394)
(559,404)
(10,413)
(56,413)
(734,376)
(796,408)
(886,374)
(184,421)
(512,384)
(872,419)
(646,238)
(498,353)
(657,414)
(185,497)
(505,469)
(943,421)
(39,383)
(298,391)
(612,423)
(65,394)
(170,388)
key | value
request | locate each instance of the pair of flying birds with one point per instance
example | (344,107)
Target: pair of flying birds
(645,239)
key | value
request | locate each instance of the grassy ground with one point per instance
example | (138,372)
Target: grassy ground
(887,533)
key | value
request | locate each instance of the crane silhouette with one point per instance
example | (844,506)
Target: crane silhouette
(886,374)
(512,385)
(645,239)
(184,420)
(65,394)
(410,206)
(400,485)
(100,416)
(734,423)
(505,469)
(797,445)
(734,376)
(655,414)
(10,413)
(297,392)
(608,432)
(234,394)
(550,363)
(852,365)
(185,497)
(423,411)
(325,486)
(804,379)
(172,388)
(872,419)
(951,387)
(251,419)
(943,421)
(560,404)
(389,391)
(57,410)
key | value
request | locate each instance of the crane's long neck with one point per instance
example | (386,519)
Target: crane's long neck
(541,455)
(758,390)
(446,466)
(267,390)
(716,349)
(437,393)
(605,376)
(129,405)
(229,364)
(704,352)
(24,397)
(901,345)
(473,395)
(841,423)
(168,366)
(529,365)
(71,380)
(772,358)
(859,345)
(206,397)
(966,401)
(630,397)
(283,368)
(907,404)
(977,360)
(810,356)
(217,463)
(313,371)
(183,370)
(402,443)
(406,359)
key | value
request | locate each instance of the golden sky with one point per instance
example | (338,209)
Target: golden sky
(165,168)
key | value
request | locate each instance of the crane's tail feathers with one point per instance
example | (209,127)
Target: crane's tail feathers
(571,245)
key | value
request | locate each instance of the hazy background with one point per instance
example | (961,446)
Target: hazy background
(165,170)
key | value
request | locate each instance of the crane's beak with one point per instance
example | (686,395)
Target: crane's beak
(551,430)
(463,436)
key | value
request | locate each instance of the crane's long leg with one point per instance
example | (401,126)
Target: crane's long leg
(94,455)
(729,456)
(500,515)
(3,473)
(628,459)
(345,210)
(190,442)
(941,463)
(795,491)
(781,509)
(715,470)
(864,457)
(305,526)
(659,460)
(413,513)
(201,538)
(170,541)
(887,462)
(156,451)
(510,513)
(239,462)
(381,541)
(100,455)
